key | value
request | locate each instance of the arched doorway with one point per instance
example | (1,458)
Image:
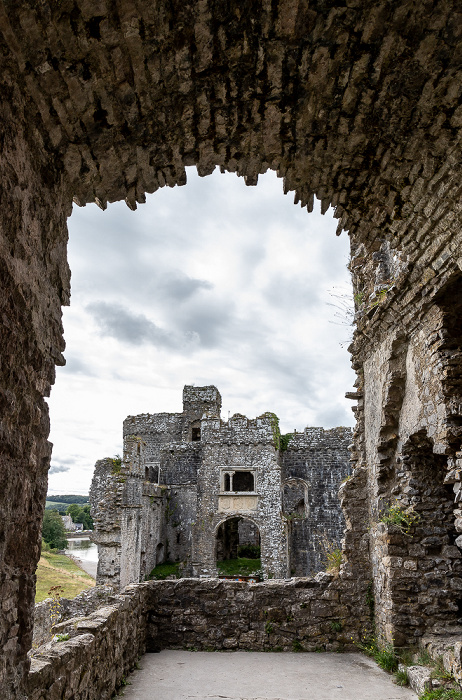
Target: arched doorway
(237,548)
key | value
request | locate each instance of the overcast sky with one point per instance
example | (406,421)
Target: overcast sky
(212,283)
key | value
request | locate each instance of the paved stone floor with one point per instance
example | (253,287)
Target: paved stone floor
(240,675)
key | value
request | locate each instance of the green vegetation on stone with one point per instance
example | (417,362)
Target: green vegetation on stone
(384,654)
(402,518)
(161,571)
(401,677)
(53,531)
(239,567)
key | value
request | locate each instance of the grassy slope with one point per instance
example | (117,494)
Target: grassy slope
(59,570)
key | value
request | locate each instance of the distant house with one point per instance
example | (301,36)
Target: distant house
(67,522)
(71,526)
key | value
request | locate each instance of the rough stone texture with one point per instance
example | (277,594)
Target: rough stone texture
(313,467)
(298,614)
(358,104)
(301,613)
(419,678)
(102,649)
(207,473)
(47,614)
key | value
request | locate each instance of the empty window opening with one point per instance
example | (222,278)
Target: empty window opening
(152,473)
(227,483)
(243,481)
(195,434)
(200,278)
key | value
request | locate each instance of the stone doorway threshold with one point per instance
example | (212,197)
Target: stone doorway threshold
(240,675)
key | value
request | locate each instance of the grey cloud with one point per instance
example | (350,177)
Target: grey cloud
(76,366)
(292,293)
(210,322)
(135,329)
(179,287)
(56,469)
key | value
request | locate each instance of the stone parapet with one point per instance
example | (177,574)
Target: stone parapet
(301,614)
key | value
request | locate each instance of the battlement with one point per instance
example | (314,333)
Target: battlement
(238,428)
(319,438)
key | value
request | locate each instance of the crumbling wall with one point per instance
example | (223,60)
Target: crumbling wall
(129,515)
(313,467)
(48,613)
(34,282)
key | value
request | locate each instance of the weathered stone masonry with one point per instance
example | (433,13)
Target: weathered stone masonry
(358,104)
(305,614)
(186,475)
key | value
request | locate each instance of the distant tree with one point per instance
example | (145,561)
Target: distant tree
(53,531)
(80,514)
(69,498)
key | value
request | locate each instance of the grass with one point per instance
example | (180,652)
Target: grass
(442,694)
(401,677)
(383,654)
(161,571)
(239,567)
(59,570)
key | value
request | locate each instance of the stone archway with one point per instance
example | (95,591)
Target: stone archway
(238,537)
(356,105)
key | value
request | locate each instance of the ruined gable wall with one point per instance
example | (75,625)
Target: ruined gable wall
(319,459)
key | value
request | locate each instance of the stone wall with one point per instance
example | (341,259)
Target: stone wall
(130,520)
(320,614)
(249,445)
(101,650)
(48,613)
(198,462)
(316,461)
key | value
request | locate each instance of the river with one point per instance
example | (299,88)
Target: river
(86,551)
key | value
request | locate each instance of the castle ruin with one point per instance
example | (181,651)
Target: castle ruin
(358,104)
(191,488)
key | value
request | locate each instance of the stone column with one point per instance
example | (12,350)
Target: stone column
(34,282)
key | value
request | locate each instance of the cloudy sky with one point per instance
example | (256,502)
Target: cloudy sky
(212,283)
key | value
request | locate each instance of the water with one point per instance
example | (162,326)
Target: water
(84,549)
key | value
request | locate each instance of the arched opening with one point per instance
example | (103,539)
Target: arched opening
(238,552)
(178,295)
